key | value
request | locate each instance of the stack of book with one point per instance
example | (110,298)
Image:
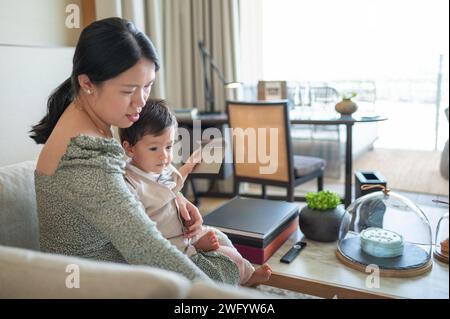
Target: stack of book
(256,227)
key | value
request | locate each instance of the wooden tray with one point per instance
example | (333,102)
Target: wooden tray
(414,261)
(440,257)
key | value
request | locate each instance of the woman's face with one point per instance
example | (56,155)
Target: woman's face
(119,101)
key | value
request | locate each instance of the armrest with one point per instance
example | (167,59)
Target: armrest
(29,274)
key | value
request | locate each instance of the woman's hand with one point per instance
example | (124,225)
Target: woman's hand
(193,221)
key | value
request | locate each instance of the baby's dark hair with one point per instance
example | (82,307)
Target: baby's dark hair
(154,119)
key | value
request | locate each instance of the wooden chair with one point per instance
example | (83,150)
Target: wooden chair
(247,122)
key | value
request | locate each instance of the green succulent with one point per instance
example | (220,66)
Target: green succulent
(323,200)
(349,95)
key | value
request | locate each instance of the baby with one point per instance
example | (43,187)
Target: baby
(149,173)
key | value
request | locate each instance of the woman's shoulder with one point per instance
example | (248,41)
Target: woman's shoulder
(73,142)
(83,145)
(81,150)
(93,152)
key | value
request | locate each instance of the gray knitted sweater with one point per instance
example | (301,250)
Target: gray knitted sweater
(85,209)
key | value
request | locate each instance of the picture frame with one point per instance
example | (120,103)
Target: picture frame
(272,90)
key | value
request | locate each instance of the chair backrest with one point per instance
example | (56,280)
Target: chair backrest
(261,143)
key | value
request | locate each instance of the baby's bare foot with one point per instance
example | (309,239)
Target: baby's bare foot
(207,242)
(261,275)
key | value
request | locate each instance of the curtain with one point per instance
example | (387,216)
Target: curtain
(176,27)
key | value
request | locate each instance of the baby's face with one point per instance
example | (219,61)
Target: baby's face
(154,153)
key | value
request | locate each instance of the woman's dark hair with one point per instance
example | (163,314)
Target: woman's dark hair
(106,48)
(154,119)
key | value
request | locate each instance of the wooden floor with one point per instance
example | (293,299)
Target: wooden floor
(405,170)
(337,187)
(413,172)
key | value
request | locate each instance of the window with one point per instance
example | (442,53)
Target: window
(396,44)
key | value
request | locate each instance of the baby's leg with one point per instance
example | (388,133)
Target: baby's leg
(207,242)
(259,276)
(249,276)
(223,239)
(246,269)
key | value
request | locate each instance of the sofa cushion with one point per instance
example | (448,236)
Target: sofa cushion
(18,216)
(29,274)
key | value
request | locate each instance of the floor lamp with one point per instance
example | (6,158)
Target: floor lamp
(209,91)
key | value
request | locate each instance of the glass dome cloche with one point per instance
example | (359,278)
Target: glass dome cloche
(388,230)
(441,242)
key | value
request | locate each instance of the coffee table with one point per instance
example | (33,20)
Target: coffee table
(317,271)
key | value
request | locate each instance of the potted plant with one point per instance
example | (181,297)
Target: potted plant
(321,218)
(347,106)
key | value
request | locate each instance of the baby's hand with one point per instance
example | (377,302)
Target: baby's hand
(188,223)
(192,161)
(195,158)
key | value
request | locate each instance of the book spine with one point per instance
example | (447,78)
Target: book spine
(261,255)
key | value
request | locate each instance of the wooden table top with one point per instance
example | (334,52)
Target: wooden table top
(317,271)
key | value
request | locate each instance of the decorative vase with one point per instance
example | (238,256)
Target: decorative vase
(346,107)
(321,225)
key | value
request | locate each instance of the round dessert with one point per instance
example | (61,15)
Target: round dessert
(382,243)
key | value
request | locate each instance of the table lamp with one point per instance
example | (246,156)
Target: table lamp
(209,92)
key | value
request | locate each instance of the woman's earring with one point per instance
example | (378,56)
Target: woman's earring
(88,91)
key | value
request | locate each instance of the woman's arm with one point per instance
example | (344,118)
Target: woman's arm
(109,206)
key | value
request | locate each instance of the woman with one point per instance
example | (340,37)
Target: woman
(84,207)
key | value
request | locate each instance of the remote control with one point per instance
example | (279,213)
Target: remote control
(293,252)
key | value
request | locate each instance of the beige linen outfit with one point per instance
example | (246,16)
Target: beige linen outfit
(157,192)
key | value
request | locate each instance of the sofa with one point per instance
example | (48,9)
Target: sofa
(25,272)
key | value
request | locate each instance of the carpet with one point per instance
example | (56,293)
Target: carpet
(405,170)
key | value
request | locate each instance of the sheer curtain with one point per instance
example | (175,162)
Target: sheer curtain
(176,27)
